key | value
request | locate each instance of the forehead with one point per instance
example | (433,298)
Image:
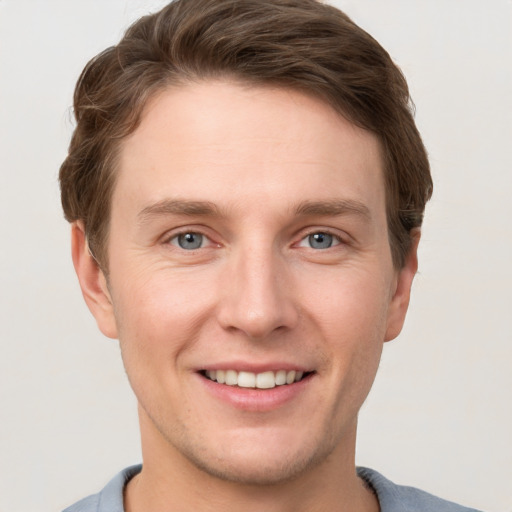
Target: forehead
(229,143)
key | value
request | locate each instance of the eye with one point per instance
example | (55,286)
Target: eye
(320,240)
(189,241)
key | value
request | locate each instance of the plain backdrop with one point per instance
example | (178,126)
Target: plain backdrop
(440,414)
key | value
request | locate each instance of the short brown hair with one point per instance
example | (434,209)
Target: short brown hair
(301,44)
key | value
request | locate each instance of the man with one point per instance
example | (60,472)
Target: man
(246,188)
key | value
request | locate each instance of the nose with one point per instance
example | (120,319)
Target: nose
(258,297)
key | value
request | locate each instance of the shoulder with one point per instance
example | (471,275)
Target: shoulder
(89,504)
(110,499)
(400,498)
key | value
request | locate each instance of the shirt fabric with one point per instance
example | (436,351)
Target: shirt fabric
(392,497)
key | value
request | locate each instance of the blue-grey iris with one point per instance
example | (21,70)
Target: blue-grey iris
(190,241)
(320,240)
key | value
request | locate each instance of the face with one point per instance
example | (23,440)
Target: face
(250,278)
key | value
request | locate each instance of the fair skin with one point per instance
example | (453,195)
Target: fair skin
(248,234)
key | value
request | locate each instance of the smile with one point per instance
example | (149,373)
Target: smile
(264,380)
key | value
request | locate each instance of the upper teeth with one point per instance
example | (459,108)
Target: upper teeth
(264,380)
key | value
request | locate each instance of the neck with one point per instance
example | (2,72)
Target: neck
(170,482)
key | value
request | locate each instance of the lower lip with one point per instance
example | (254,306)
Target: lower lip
(254,399)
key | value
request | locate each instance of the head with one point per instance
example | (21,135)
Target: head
(303,45)
(249,181)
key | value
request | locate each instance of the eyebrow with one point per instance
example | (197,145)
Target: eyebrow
(333,208)
(177,207)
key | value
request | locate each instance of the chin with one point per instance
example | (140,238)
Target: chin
(259,463)
(259,471)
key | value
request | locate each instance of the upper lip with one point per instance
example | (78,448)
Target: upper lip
(244,366)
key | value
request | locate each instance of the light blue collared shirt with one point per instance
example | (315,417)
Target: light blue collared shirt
(392,497)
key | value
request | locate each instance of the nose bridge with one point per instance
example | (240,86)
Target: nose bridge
(257,299)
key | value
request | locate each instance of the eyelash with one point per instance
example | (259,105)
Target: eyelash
(335,239)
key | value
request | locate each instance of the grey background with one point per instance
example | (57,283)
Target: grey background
(439,416)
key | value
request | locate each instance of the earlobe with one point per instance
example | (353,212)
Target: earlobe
(92,282)
(402,293)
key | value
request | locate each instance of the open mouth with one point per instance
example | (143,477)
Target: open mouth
(264,380)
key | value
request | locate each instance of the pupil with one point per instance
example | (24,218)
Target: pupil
(320,240)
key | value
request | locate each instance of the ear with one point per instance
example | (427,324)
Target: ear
(92,282)
(402,292)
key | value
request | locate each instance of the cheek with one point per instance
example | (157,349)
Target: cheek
(159,321)
(351,317)
(350,300)
(159,317)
